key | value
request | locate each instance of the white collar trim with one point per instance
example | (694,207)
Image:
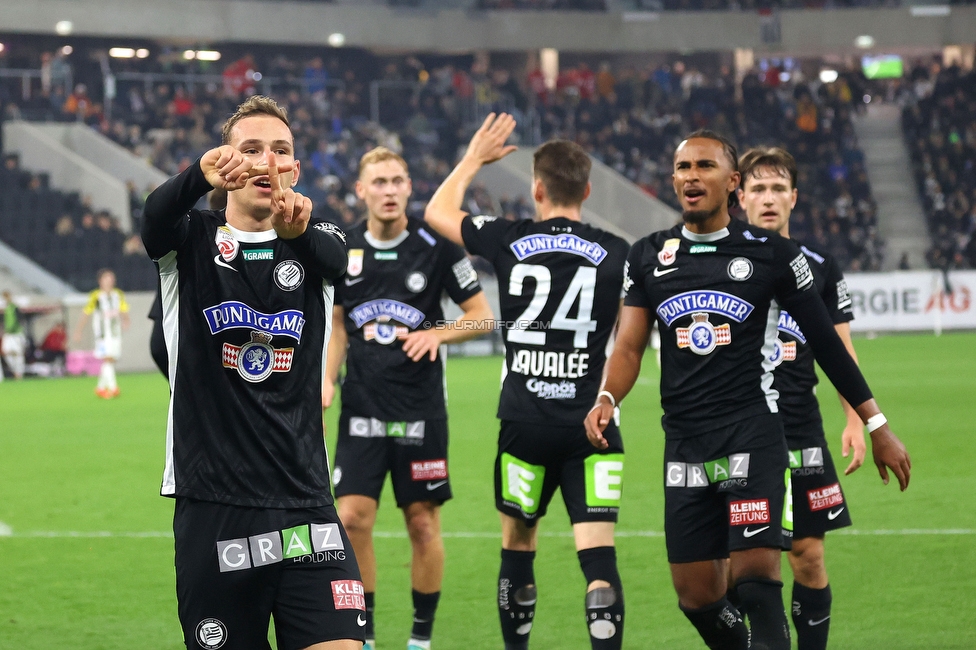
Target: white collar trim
(248,237)
(707,237)
(387,244)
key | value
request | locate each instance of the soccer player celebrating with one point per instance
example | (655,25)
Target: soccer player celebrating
(388,326)
(109,314)
(247,305)
(560,284)
(768,194)
(710,284)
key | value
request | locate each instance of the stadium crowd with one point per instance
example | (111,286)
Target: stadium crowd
(939,120)
(626,116)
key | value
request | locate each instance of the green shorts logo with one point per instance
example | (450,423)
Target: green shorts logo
(788,504)
(296,542)
(522,483)
(604,480)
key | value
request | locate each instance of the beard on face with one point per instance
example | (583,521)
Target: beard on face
(698,217)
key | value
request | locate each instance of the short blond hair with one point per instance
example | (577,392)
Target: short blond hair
(253,105)
(378,155)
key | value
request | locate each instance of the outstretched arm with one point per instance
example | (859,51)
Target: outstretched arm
(475,321)
(621,371)
(889,452)
(444,213)
(853,436)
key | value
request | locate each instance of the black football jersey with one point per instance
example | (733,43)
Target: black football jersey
(246,318)
(794,377)
(559,285)
(713,296)
(392,288)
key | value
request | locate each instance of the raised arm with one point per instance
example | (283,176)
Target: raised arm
(475,321)
(444,213)
(621,371)
(164,224)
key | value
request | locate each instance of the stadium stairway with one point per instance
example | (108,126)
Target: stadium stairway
(901,216)
(82,160)
(615,204)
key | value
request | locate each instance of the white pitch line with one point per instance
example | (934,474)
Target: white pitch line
(5,531)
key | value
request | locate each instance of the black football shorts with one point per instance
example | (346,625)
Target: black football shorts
(725,490)
(819,505)
(534,459)
(414,454)
(236,567)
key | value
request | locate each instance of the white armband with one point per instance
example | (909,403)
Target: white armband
(609,396)
(876,422)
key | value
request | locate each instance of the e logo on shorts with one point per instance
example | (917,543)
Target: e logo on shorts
(604,480)
(522,483)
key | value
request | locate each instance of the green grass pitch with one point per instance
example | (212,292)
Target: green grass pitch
(73,466)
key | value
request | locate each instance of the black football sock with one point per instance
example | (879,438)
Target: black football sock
(516,598)
(811,616)
(424,607)
(720,625)
(370,597)
(762,604)
(604,605)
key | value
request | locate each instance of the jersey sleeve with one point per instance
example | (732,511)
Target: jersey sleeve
(484,235)
(92,303)
(123,305)
(322,249)
(635,294)
(166,221)
(461,279)
(793,274)
(836,294)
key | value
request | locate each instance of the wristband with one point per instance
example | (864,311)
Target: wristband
(876,422)
(613,402)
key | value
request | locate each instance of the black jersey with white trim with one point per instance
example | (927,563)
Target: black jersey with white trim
(559,285)
(713,298)
(246,318)
(795,377)
(390,289)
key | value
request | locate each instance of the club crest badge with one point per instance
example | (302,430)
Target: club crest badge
(669,253)
(289,275)
(355,264)
(416,282)
(227,246)
(255,361)
(740,269)
(702,337)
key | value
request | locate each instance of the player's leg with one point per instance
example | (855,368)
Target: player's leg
(524,486)
(604,600)
(760,526)
(696,535)
(13,350)
(811,593)
(819,506)
(361,464)
(759,588)
(592,485)
(421,484)
(517,594)
(426,568)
